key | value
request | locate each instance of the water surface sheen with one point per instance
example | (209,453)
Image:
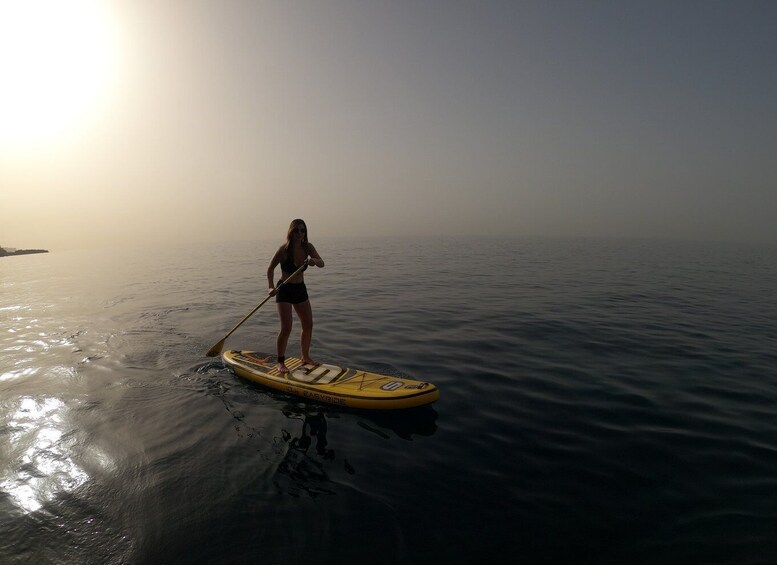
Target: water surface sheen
(602,401)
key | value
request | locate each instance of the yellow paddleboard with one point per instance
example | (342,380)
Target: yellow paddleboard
(332,384)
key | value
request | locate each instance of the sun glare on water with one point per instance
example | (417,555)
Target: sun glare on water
(57,63)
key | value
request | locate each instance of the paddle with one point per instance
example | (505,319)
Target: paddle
(216,349)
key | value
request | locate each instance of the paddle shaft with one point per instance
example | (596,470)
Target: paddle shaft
(216,349)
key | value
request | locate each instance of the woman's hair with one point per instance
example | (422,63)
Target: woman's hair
(290,234)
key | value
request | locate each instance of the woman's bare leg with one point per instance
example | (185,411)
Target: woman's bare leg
(284,313)
(305,314)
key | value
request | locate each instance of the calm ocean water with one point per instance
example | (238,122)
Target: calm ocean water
(602,401)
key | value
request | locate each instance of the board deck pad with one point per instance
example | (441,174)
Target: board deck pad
(331,383)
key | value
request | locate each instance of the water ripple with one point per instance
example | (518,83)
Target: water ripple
(601,401)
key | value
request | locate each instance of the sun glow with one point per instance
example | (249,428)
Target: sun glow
(57,64)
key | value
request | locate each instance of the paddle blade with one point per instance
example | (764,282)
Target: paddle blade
(216,349)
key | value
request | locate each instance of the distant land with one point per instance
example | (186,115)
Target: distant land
(7,253)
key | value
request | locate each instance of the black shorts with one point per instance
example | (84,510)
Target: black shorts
(292,292)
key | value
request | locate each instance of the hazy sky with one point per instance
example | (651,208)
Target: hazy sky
(143,120)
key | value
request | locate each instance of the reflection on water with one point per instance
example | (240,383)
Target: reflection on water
(36,458)
(18,374)
(308,453)
(302,467)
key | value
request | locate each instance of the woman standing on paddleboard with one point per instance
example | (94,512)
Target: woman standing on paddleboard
(295,253)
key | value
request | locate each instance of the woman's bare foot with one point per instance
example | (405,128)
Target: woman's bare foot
(282,368)
(309,361)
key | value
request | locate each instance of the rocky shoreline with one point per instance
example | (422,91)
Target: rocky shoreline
(4,253)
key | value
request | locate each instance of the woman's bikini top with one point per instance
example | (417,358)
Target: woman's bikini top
(288,266)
